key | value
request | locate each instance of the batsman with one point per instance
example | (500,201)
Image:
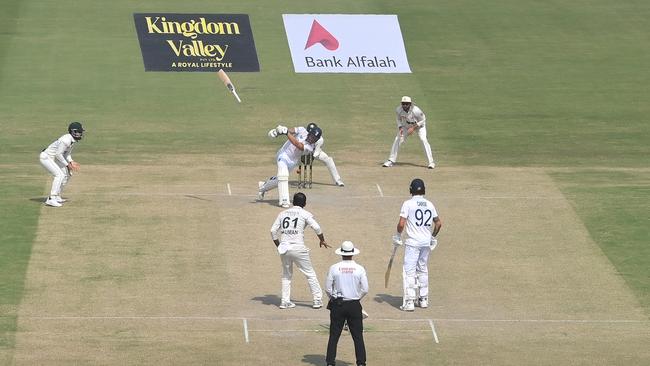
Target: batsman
(419,220)
(299,142)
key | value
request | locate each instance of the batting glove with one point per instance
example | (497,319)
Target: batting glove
(434,243)
(282,130)
(397,240)
(273,133)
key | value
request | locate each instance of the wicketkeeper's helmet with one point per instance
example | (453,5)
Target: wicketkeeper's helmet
(416,187)
(76,130)
(299,199)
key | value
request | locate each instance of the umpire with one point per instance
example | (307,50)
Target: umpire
(346,285)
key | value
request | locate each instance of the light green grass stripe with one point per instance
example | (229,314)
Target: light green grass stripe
(614,208)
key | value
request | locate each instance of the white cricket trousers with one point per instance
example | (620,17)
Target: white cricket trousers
(59,171)
(329,163)
(416,271)
(422,134)
(301,259)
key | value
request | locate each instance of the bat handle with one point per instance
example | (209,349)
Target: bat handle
(236,96)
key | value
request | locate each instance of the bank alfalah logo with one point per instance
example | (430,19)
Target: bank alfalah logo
(318,34)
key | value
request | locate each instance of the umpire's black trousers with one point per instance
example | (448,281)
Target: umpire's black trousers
(340,312)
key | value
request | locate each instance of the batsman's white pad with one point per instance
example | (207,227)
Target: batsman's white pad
(409,286)
(283,183)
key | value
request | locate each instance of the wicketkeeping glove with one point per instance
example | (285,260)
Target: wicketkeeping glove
(282,130)
(434,243)
(397,240)
(273,133)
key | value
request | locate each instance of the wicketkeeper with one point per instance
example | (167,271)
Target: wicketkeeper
(420,219)
(322,156)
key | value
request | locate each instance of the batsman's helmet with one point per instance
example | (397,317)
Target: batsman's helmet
(315,134)
(416,187)
(76,130)
(311,126)
(299,199)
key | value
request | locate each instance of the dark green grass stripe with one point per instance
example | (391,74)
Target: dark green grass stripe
(18,224)
(614,208)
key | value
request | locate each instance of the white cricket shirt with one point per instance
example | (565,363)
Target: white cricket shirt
(61,149)
(290,153)
(289,227)
(410,118)
(419,214)
(348,280)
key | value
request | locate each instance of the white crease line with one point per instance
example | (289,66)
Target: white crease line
(439,196)
(325,319)
(433,329)
(246,329)
(229,191)
(381,194)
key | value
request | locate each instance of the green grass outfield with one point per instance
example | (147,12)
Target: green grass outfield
(552,84)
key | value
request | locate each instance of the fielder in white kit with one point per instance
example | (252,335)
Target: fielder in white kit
(328,160)
(57,159)
(420,219)
(299,142)
(410,118)
(288,234)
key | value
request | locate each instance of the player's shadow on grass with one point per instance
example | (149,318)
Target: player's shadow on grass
(268,300)
(38,199)
(320,360)
(394,301)
(275,300)
(410,164)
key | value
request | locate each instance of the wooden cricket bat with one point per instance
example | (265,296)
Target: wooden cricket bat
(390,265)
(226,80)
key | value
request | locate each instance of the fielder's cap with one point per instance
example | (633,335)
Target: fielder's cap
(406,99)
(347,248)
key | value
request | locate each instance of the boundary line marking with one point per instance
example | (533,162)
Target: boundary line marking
(433,329)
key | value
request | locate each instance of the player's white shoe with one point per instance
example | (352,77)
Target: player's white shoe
(340,183)
(260,193)
(432,165)
(423,302)
(409,306)
(60,199)
(388,164)
(52,202)
(318,303)
(285,205)
(287,305)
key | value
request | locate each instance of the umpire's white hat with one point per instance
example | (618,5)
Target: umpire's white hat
(347,248)
(406,99)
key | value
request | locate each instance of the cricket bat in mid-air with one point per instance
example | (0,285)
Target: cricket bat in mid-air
(390,265)
(226,80)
